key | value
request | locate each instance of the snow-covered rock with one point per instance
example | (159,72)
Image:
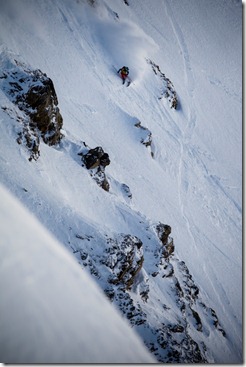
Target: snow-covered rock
(51,311)
(185,300)
(34,94)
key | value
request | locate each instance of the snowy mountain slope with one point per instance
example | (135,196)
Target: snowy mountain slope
(54,313)
(192,183)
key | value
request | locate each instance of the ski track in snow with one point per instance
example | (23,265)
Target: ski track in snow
(73,201)
(222,86)
(185,138)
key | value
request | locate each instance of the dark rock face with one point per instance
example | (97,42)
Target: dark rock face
(34,94)
(96,157)
(46,117)
(163,231)
(125,259)
(96,160)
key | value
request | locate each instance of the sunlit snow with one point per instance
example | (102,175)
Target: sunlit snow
(193,181)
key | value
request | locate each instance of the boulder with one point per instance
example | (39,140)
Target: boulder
(96,160)
(96,157)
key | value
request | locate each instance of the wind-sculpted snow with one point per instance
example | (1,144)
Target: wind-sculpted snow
(181,294)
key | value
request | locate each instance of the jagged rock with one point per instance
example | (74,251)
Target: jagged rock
(213,318)
(163,231)
(190,289)
(176,328)
(155,274)
(168,90)
(31,140)
(169,271)
(89,262)
(146,138)
(196,317)
(178,288)
(168,249)
(145,295)
(96,157)
(125,259)
(83,255)
(178,334)
(132,311)
(98,174)
(96,160)
(34,94)
(179,347)
(110,293)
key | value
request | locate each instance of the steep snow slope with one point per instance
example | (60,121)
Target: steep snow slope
(193,182)
(51,311)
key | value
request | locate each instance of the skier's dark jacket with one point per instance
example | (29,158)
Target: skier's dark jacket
(124,71)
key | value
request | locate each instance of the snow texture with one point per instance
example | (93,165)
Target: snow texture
(51,311)
(192,180)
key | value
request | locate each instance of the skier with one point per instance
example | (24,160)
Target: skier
(124,71)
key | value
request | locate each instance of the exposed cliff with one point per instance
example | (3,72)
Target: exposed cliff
(34,95)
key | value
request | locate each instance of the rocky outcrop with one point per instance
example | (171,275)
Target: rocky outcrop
(163,232)
(146,138)
(34,95)
(132,271)
(121,263)
(95,160)
(122,258)
(125,259)
(40,102)
(167,88)
(96,157)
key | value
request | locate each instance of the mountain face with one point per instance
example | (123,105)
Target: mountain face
(48,316)
(141,183)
